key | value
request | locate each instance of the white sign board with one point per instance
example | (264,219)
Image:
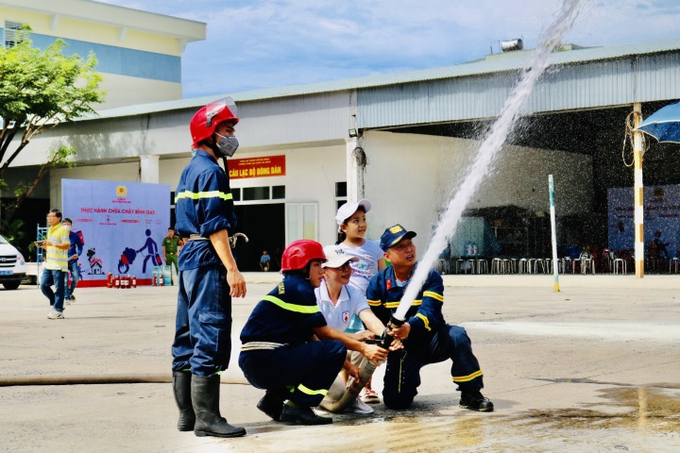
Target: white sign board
(123,225)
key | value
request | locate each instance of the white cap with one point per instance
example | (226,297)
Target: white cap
(336,256)
(346,210)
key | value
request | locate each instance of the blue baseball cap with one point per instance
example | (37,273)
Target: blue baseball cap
(393,235)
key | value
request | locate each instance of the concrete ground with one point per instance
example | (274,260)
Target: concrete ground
(592,368)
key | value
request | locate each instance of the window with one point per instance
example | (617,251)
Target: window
(258,193)
(340,189)
(255,193)
(278,192)
(11,35)
(340,193)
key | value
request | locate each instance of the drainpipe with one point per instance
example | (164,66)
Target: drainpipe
(639,193)
(354,153)
(356,165)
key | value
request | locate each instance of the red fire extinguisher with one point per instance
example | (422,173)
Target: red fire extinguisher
(126,281)
(154,282)
(160,280)
(116,281)
(134,281)
(109,280)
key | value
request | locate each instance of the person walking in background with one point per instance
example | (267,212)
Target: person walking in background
(352,226)
(171,245)
(208,274)
(74,252)
(56,263)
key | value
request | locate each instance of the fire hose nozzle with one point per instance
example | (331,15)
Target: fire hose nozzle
(384,340)
(395,322)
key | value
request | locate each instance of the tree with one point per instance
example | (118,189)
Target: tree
(38,91)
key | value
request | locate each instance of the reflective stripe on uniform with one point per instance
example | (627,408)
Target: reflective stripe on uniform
(434,295)
(209,194)
(306,309)
(307,391)
(467,378)
(395,304)
(425,320)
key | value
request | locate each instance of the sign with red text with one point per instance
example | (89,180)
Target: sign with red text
(257,167)
(123,226)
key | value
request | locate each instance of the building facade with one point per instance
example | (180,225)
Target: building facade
(139,53)
(404,141)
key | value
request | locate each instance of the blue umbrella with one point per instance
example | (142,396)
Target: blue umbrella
(664,124)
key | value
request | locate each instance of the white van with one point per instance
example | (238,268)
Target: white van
(12,265)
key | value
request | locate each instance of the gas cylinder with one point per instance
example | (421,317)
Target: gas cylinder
(160,280)
(116,281)
(134,281)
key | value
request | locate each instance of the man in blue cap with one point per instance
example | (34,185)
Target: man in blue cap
(426,336)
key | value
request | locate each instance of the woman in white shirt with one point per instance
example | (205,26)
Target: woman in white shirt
(339,301)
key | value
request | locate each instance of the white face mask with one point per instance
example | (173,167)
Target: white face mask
(68,227)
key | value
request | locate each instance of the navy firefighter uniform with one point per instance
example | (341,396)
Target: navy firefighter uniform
(431,339)
(278,354)
(203,206)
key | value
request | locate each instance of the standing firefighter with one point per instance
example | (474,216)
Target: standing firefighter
(208,275)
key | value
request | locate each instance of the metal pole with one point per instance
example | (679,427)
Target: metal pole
(638,191)
(551,189)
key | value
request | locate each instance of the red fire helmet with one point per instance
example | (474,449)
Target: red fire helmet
(207,118)
(299,253)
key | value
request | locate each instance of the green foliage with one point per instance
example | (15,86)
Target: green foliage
(12,230)
(41,89)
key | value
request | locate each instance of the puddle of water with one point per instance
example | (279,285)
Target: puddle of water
(651,409)
(627,419)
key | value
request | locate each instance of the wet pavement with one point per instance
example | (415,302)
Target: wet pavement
(592,368)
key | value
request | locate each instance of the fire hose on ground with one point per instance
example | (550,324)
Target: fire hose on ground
(86,379)
(341,395)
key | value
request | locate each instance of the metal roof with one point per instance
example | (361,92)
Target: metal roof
(498,63)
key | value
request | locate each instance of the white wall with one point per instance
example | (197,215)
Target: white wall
(145,91)
(410,178)
(311,174)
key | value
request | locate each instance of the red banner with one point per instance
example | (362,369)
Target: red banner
(257,167)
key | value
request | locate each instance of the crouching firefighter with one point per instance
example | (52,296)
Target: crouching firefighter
(426,336)
(278,352)
(208,275)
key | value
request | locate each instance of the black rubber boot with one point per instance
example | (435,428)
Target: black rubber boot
(181,386)
(299,415)
(271,404)
(475,401)
(205,397)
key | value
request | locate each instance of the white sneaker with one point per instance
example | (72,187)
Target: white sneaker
(359,407)
(54,314)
